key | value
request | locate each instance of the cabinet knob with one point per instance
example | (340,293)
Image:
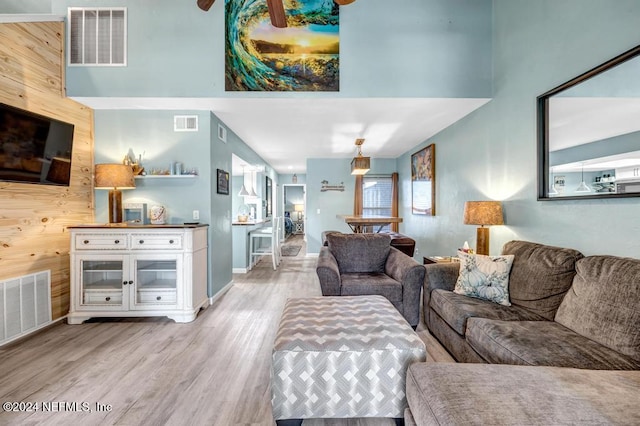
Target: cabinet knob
(141,241)
(159,298)
(85,242)
(131,282)
(117,241)
(107,298)
(170,241)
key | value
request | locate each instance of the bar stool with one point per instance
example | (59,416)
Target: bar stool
(270,233)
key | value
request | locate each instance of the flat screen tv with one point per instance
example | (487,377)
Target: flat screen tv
(34,148)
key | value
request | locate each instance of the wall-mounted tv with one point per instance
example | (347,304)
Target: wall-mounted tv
(34,148)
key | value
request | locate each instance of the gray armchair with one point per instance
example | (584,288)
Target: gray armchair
(366,264)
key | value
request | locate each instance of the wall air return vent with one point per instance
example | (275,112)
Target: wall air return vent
(97,36)
(185,123)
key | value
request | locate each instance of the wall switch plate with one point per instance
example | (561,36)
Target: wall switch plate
(318,211)
(196,214)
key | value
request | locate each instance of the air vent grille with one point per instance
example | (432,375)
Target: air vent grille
(185,123)
(97,36)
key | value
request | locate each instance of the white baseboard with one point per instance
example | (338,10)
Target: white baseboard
(240,270)
(312,255)
(220,293)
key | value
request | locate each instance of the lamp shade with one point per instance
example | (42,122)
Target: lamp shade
(360,165)
(114,176)
(298,207)
(483,213)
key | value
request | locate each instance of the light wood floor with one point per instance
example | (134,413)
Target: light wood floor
(213,371)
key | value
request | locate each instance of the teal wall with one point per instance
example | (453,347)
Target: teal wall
(491,154)
(151,133)
(425,48)
(25,6)
(333,203)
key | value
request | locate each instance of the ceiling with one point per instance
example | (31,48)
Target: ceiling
(286,132)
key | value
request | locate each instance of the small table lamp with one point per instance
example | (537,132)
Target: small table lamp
(299,208)
(114,177)
(483,213)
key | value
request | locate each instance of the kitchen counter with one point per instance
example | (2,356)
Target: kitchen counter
(250,222)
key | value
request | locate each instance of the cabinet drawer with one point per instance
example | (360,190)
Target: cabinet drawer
(102,297)
(155,242)
(100,242)
(157,296)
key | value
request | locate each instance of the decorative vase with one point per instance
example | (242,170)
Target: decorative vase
(158,215)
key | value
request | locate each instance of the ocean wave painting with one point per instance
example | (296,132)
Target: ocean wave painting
(303,57)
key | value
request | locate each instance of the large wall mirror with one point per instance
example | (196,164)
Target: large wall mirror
(589,133)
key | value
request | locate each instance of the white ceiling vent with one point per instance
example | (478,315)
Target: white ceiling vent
(185,123)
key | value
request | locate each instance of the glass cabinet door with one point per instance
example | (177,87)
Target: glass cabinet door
(156,282)
(102,282)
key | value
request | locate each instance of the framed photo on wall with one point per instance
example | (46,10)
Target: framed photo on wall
(223,182)
(269,198)
(423,181)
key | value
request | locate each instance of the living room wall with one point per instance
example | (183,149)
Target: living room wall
(419,48)
(33,218)
(491,154)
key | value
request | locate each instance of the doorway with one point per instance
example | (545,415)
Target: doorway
(294,209)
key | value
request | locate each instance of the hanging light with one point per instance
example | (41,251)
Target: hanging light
(360,165)
(252,193)
(243,191)
(583,187)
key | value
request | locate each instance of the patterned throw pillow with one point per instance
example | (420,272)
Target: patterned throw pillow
(484,277)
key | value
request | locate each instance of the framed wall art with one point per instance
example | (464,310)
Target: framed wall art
(423,181)
(303,57)
(223,182)
(269,196)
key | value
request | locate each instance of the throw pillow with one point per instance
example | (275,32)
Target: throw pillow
(484,277)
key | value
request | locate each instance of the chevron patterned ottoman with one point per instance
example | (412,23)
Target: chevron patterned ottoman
(341,357)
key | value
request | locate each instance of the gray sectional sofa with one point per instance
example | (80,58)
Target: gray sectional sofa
(571,338)
(566,310)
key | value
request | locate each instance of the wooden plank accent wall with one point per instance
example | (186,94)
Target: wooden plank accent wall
(33,218)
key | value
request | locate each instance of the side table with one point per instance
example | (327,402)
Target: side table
(426,260)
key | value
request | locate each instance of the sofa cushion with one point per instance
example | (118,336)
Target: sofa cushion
(455,309)
(540,275)
(541,343)
(604,303)
(472,394)
(358,284)
(359,252)
(484,277)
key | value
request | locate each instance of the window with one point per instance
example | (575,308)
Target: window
(376,196)
(97,36)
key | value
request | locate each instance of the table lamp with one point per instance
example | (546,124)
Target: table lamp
(114,177)
(299,208)
(483,213)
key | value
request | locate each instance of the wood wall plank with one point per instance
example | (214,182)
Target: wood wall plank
(33,218)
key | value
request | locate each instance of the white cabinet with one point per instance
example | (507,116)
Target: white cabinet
(628,173)
(138,271)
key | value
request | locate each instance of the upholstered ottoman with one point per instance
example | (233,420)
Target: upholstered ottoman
(341,357)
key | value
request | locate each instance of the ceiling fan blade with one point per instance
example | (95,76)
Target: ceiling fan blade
(205,4)
(276,12)
(344,2)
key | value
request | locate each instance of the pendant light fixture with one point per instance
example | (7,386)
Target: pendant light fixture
(583,187)
(252,193)
(360,165)
(243,191)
